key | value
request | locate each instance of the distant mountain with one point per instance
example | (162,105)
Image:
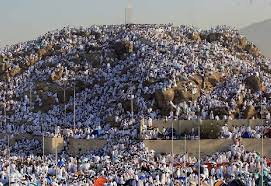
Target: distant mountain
(260,35)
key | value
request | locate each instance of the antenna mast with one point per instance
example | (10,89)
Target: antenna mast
(128,13)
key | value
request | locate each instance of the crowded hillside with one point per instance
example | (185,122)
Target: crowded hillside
(100,82)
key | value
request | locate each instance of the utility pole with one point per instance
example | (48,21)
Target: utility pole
(64,100)
(74,122)
(200,122)
(132,107)
(128,13)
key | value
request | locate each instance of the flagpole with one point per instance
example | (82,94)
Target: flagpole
(262,137)
(185,159)
(56,162)
(74,106)
(30,96)
(8,161)
(132,107)
(64,99)
(172,149)
(200,121)
(42,139)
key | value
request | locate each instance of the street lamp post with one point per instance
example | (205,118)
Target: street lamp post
(64,101)
(65,109)
(200,122)
(172,146)
(74,122)
(261,114)
(132,107)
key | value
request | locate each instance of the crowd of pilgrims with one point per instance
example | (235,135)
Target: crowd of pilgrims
(163,55)
(150,131)
(126,162)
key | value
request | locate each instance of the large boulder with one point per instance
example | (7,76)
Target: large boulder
(44,52)
(14,71)
(177,95)
(220,111)
(94,58)
(242,42)
(47,103)
(29,62)
(214,37)
(254,83)
(4,67)
(214,79)
(250,112)
(57,74)
(163,98)
(253,50)
(123,47)
(211,80)
(195,36)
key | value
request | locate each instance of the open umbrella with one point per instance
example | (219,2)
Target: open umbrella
(100,181)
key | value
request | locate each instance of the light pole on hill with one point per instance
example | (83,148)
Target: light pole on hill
(172,155)
(200,122)
(8,161)
(42,126)
(64,100)
(261,114)
(65,81)
(6,61)
(132,97)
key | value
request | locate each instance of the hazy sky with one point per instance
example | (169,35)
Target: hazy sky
(22,20)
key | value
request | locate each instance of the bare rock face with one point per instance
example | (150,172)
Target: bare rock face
(212,37)
(47,103)
(220,111)
(254,83)
(250,112)
(195,36)
(178,94)
(214,79)
(210,81)
(4,67)
(30,62)
(253,50)
(44,52)
(187,90)
(56,75)
(242,42)
(94,59)
(14,71)
(163,98)
(123,47)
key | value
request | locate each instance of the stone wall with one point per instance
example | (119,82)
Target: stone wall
(80,146)
(182,125)
(207,146)
(51,144)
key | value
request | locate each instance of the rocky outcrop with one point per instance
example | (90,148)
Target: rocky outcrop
(184,91)
(14,71)
(195,36)
(254,83)
(250,112)
(57,74)
(123,47)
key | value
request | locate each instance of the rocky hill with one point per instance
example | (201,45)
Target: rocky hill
(186,70)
